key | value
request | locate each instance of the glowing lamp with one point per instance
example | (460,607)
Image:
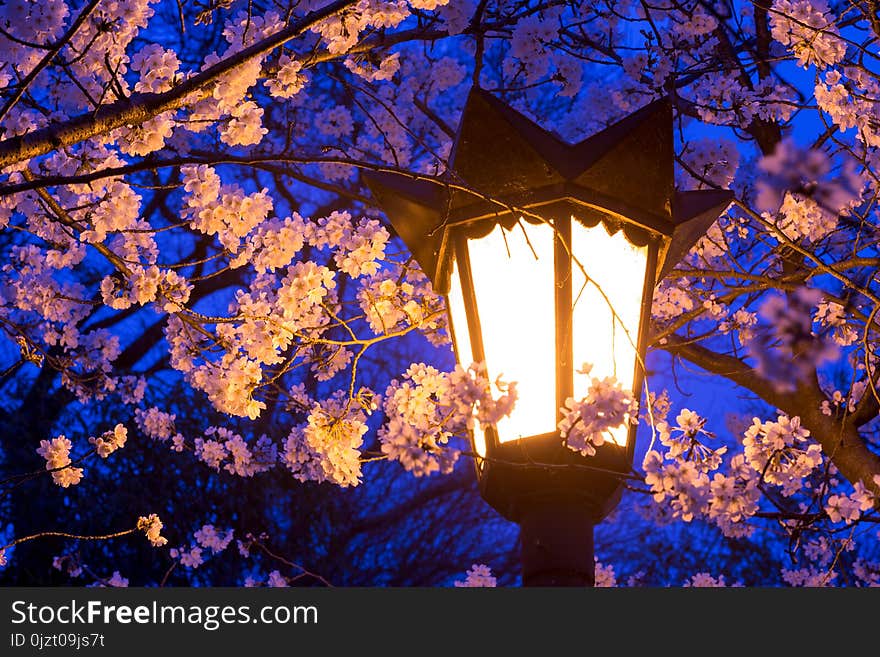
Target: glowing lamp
(548,254)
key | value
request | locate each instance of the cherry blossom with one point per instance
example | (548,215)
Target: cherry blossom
(327,446)
(57,455)
(288,81)
(705,580)
(206,539)
(808,577)
(110,441)
(807,28)
(151,525)
(428,407)
(479,575)
(782,452)
(154,423)
(850,507)
(790,319)
(604,576)
(586,423)
(117,581)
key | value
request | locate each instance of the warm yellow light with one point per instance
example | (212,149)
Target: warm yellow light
(513,278)
(608,340)
(463,348)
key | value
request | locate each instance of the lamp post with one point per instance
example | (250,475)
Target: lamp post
(547,254)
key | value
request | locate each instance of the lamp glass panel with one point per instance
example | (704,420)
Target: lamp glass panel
(462,337)
(615,279)
(513,280)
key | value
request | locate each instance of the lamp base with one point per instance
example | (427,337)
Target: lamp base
(557,545)
(531,471)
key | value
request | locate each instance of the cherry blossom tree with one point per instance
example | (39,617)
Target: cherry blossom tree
(183,216)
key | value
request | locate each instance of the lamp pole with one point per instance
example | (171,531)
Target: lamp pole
(557,545)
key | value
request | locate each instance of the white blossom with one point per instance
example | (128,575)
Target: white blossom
(586,423)
(479,575)
(57,455)
(151,525)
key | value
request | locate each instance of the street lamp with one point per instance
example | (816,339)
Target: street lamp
(547,254)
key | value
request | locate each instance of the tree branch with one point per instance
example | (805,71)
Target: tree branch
(729,367)
(140,107)
(47,58)
(840,441)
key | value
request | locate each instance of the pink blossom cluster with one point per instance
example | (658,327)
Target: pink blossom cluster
(688,479)
(222,448)
(479,575)
(109,441)
(207,538)
(586,422)
(57,455)
(427,407)
(807,28)
(152,526)
(327,446)
(781,452)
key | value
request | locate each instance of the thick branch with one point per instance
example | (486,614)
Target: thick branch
(730,368)
(846,449)
(763,38)
(840,442)
(866,410)
(141,107)
(257,161)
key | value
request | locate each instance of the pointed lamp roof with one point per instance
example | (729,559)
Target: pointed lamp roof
(693,213)
(416,209)
(625,171)
(503,154)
